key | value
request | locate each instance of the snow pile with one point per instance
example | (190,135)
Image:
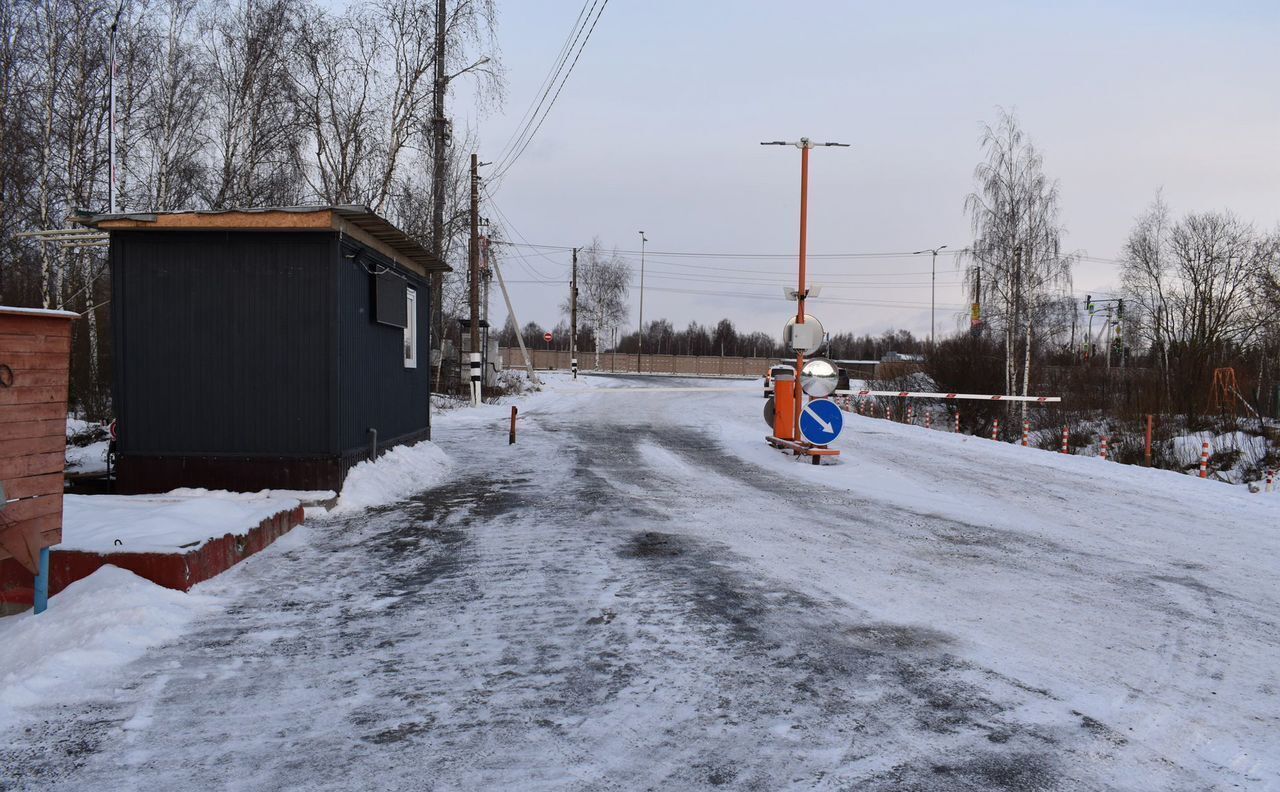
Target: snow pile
(91,458)
(1187,447)
(87,444)
(92,628)
(396,475)
(184,519)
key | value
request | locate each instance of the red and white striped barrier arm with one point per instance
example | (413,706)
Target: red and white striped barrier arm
(953,396)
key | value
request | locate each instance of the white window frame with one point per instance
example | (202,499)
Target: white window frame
(411,328)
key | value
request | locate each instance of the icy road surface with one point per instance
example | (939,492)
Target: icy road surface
(640,595)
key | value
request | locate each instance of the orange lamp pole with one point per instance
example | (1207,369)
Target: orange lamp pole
(804,144)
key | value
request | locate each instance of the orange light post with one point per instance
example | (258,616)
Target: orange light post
(804,144)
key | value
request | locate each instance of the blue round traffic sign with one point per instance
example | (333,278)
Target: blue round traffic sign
(821,421)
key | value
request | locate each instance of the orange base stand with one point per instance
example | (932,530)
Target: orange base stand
(801,448)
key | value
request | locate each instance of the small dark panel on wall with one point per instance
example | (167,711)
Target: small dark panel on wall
(390,307)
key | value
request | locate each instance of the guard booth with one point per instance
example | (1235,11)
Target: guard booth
(268,348)
(35,358)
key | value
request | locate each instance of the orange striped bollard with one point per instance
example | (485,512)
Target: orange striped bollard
(1204,459)
(1026,430)
(1104,448)
(911,413)
(957,422)
(1064,440)
(928,420)
(995,429)
(1271,475)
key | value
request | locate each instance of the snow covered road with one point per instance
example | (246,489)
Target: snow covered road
(641,595)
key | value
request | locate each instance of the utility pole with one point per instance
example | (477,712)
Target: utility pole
(524,352)
(439,132)
(804,144)
(474,270)
(933,288)
(573,317)
(640,335)
(111,120)
(1120,329)
(1109,337)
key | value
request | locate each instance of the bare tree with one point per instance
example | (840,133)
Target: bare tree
(603,282)
(172,114)
(256,129)
(1017,262)
(337,96)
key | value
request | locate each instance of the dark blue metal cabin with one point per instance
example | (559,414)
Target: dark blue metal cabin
(265,349)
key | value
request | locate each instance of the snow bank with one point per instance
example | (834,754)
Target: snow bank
(401,472)
(92,628)
(183,519)
(1187,447)
(88,459)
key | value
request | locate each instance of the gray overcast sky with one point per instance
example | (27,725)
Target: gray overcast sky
(659,126)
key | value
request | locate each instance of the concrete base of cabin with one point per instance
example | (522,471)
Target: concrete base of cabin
(177,570)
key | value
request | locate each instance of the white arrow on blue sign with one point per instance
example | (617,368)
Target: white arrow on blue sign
(821,421)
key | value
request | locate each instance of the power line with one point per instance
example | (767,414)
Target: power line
(522,126)
(502,169)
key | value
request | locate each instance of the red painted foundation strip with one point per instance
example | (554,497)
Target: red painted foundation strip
(178,571)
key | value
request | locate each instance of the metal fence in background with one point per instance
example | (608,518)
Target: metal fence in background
(621,363)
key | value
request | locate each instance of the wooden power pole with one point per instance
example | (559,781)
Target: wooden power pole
(439,132)
(573,317)
(473,270)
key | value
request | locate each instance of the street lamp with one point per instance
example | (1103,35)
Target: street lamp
(640,336)
(933,287)
(802,289)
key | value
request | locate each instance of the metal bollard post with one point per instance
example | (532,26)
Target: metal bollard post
(41,600)
(373,444)
(512,439)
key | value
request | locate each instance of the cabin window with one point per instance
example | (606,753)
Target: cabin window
(411,328)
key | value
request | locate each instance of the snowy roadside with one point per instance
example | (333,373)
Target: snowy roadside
(97,625)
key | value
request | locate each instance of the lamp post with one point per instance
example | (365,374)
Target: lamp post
(804,144)
(640,335)
(933,288)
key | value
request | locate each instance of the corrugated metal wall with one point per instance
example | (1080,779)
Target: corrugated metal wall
(225,342)
(376,390)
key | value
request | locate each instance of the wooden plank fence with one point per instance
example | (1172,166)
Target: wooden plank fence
(35,350)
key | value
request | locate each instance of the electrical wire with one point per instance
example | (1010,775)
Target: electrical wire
(502,169)
(526,120)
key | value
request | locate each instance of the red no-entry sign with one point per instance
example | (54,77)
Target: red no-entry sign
(546,337)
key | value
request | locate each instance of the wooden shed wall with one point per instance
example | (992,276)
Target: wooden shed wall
(33,421)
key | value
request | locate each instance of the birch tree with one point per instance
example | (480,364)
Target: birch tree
(1016,265)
